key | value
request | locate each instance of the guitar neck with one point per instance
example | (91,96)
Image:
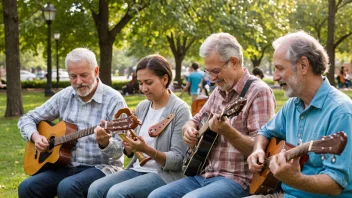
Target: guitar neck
(74,136)
(292,153)
(297,151)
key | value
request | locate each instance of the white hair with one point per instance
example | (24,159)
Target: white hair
(80,54)
(224,44)
(302,44)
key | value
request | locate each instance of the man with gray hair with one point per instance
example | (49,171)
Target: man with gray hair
(85,103)
(225,173)
(315,109)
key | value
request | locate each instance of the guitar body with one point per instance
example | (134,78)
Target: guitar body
(195,163)
(60,154)
(264,182)
(197,156)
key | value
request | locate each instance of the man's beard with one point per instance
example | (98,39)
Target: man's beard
(85,92)
(290,91)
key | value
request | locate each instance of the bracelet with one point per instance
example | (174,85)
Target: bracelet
(156,152)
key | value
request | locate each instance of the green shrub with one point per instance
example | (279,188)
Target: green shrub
(35,84)
(119,84)
(268,81)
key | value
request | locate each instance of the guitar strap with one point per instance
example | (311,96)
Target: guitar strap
(246,87)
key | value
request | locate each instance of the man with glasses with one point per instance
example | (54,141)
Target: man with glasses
(226,172)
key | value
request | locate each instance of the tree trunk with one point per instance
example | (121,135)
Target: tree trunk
(105,62)
(330,42)
(256,62)
(179,48)
(178,67)
(107,36)
(14,105)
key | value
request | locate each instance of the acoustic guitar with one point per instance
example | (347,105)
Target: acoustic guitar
(264,182)
(197,156)
(63,137)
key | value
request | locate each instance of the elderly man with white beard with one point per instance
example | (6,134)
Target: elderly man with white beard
(315,110)
(85,103)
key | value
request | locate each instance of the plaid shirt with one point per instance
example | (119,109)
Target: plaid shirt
(224,159)
(68,106)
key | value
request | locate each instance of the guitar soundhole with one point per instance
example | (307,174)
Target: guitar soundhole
(51,143)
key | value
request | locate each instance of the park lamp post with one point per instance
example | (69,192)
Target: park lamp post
(57,38)
(49,13)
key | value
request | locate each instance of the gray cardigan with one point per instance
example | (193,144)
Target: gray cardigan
(170,141)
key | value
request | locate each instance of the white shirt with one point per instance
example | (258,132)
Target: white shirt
(152,117)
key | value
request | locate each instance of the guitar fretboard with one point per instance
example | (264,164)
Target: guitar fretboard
(292,153)
(74,136)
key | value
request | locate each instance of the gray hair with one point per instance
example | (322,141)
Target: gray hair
(80,54)
(224,44)
(302,44)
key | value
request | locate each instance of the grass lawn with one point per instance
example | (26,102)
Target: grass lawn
(12,145)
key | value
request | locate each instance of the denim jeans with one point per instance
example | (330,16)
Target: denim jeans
(126,183)
(64,182)
(198,186)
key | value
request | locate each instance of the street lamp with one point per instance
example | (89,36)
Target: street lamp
(57,38)
(49,13)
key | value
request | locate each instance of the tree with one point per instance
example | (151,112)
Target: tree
(13,107)
(329,22)
(256,24)
(179,28)
(331,44)
(107,34)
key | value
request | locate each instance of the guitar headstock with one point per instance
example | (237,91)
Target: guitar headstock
(332,144)
(129,122)
(235,108)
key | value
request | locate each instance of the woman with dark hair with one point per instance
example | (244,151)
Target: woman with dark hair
(167,150)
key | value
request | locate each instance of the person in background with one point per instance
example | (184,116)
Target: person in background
(258,72)
(226,172)
(129,87)
(85,103)
(341,79)
(315,109)
(205,85)
(167,151)
(194,80)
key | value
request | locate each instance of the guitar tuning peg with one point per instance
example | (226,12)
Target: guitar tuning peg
(333,159)
(322,157)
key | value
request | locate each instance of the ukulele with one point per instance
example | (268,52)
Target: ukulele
(264,182)
(63,137)
(197,156)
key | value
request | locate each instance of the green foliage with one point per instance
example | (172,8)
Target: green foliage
(269,81)
(312,17)
(256,24)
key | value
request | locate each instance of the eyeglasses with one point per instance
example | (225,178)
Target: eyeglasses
(215,72)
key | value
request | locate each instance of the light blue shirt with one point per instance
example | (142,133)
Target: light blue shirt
(194,79)
(67,106)
(329,112)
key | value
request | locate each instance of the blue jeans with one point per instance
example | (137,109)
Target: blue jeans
(198,186)
(64,182)
(126,183)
